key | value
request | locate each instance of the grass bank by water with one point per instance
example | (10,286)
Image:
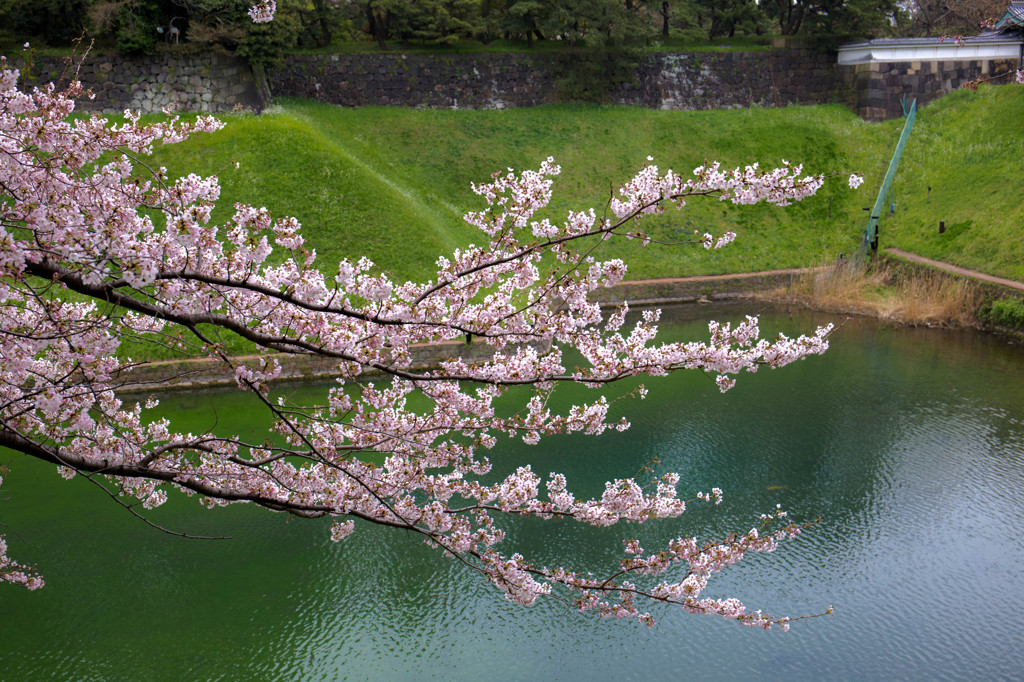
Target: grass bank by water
(365,181)
(916,297)
(963,166)
(392,184)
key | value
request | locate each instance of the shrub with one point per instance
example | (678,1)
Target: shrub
(1005,312)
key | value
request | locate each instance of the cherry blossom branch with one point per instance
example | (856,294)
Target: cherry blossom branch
(76,217)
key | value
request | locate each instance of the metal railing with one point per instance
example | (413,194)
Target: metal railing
(870,238)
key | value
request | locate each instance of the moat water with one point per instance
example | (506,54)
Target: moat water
(908,442)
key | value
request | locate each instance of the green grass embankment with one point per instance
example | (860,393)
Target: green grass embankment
(392,184)
(968,148)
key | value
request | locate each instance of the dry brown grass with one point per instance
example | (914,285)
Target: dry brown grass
(914,298)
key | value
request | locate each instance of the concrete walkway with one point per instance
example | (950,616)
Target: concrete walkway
(956,269)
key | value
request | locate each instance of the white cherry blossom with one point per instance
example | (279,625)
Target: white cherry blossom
(143,258)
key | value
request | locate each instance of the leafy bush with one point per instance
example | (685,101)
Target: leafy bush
(54,22)
(1005,312)
(266,44)
(132,25)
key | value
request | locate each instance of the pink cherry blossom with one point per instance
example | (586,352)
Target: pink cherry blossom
(144,259)
(263,11)
(15,573)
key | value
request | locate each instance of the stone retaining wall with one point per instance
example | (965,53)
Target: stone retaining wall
(201,373)
(481,81)
(209,83)
(705,80)
(723,80)
(695,289)
(220,83)
(680,81)
(879,88)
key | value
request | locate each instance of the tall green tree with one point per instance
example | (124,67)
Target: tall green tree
(599,22)
(266,44)
(438,21)
(431,21)
(834,17)
(54,22)
(729,17)
(938,17)
(855,18)
(524,18)
(789,14)
(134,26)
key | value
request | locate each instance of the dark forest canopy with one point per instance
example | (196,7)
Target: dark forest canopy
(140,26)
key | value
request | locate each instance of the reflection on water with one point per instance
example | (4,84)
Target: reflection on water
(910,444)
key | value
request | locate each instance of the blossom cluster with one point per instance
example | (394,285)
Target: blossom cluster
(142,258)
(263,11)
(13,572)
(617,597)
(648,191)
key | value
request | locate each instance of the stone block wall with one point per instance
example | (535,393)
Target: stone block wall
(209,83)
(481,81)
(706,80)
(879,88)
(722,80)
(681,81)
(475,81)
(658,292)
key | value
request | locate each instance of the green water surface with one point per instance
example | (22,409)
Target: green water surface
(908,442)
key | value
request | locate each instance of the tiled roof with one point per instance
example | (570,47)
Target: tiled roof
(1014,16)
(1007,29)
(988,37)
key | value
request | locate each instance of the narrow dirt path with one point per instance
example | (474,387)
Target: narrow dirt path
(719,278)
(948,267)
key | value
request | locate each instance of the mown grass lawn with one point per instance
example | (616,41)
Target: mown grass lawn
(392,184)
(964,166)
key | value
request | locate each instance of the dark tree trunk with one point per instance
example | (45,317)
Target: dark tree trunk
(485,36)
(376,26)
(325,26)
(789,23)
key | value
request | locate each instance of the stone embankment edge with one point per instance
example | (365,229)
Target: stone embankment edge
(997,287)
(901,255)
(204,373)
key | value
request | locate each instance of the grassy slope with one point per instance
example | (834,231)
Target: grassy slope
(348,207)
(969,148)
(392,183)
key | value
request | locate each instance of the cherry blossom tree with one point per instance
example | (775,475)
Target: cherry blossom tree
(97,247)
